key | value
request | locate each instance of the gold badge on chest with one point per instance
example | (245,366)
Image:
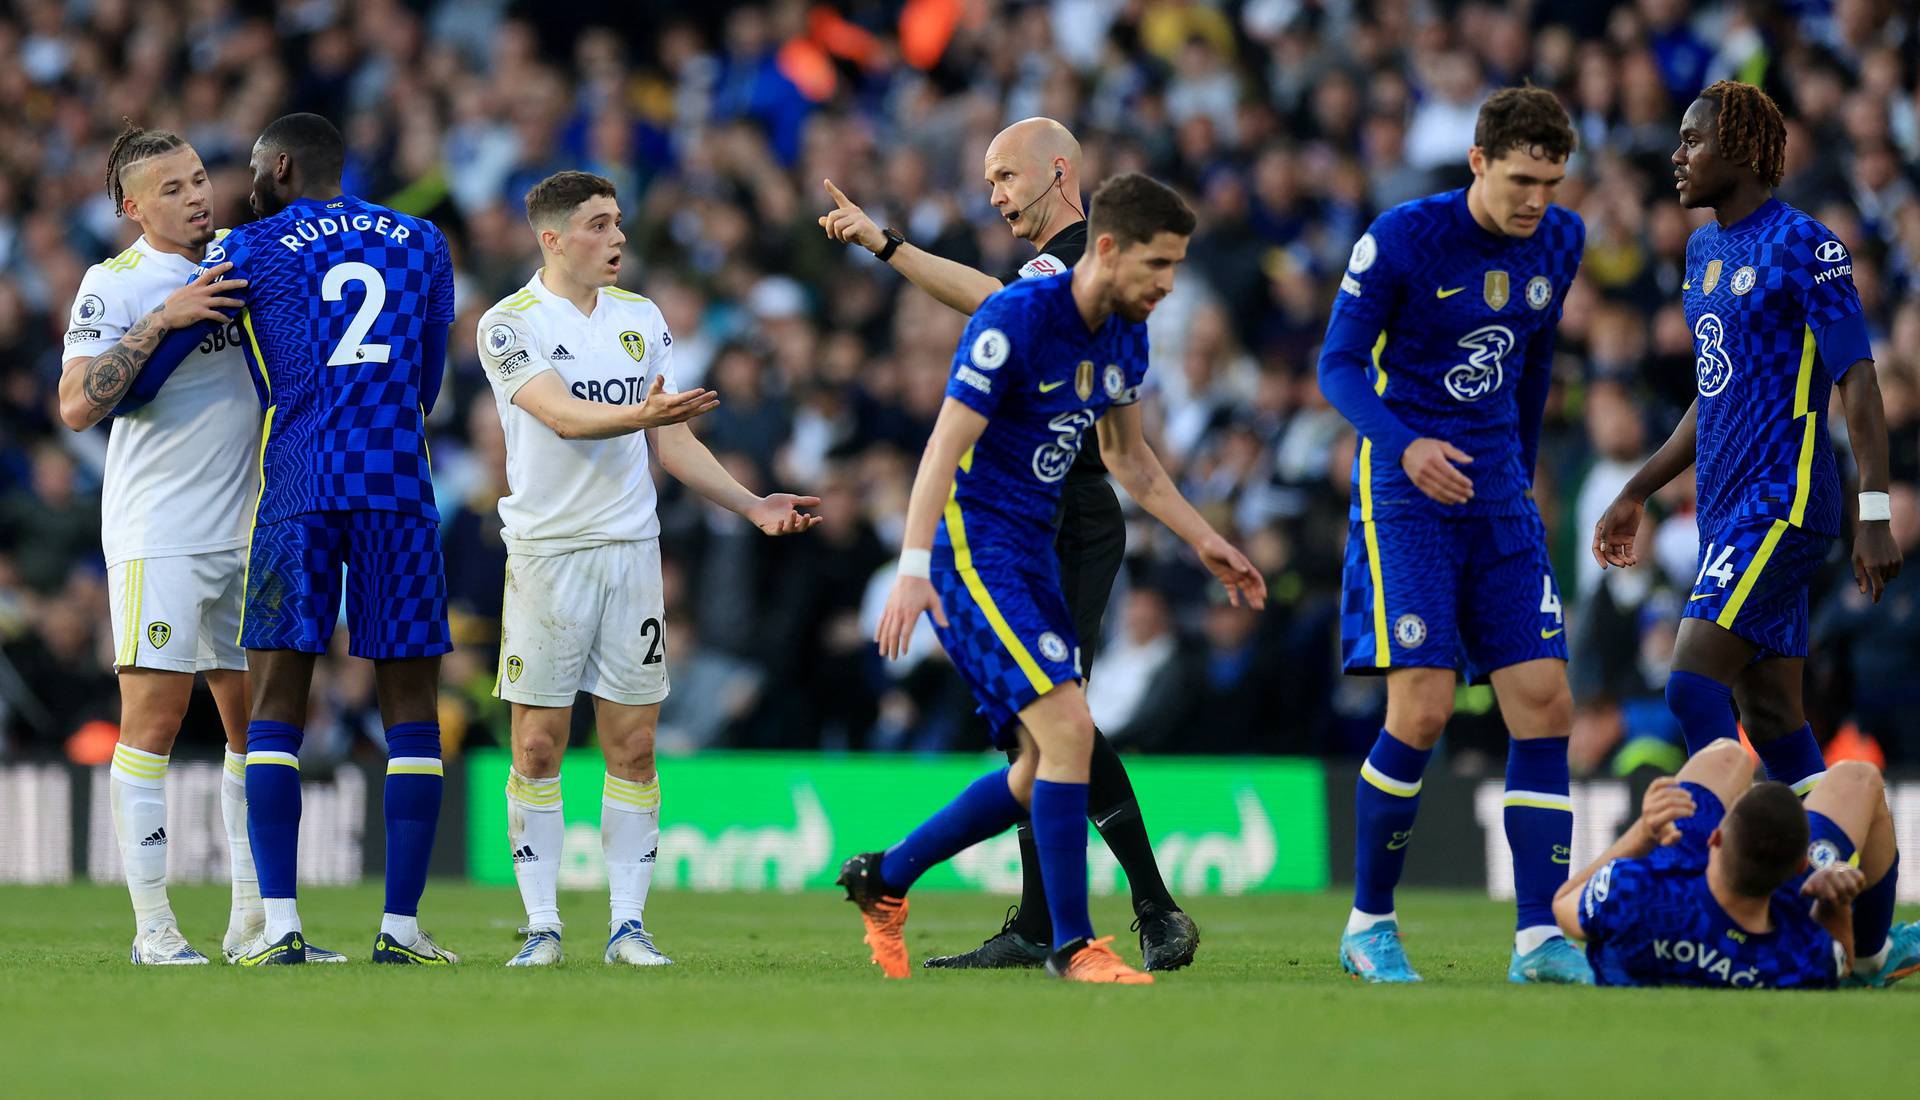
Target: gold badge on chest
(1496,289)
(1083,379)
(635,344)
(1712,278)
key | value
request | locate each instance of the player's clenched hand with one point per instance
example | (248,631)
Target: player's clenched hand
(779,514)
(1232,569)
(1433,467)
(910,597)
(203,299)
(1876,557)
(1666,802)
(661,408)
(849,224)
(1836,884)
(1613,536)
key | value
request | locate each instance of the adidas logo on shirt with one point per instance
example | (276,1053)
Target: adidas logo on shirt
(524,854)
(159,837)
(560,352)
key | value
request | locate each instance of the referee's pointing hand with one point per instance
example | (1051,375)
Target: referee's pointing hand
(849,224)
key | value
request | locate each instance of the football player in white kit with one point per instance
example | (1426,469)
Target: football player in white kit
(181,480)
(580,369)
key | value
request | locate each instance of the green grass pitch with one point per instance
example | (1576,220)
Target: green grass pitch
(773,996)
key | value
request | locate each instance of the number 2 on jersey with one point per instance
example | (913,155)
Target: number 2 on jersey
(352,347)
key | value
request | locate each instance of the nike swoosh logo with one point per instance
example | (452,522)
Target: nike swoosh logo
(1701,596)
(1438,293)
(1398,841)
(1688,285)
(1049,387)
(1544,634)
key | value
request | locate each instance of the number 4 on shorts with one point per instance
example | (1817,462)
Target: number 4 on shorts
(1549,599)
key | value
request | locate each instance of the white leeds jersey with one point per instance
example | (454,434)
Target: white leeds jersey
(181,475)
(569,494)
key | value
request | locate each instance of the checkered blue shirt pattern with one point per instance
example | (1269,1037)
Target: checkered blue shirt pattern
(349,436)
(1464,313)
(1028,364)
(1754,291)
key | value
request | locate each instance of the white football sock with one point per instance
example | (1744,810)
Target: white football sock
(406,930)
(138,788)
(536,830)
(1866,965)
(1528,940)
(283,916)
(1360,922)
(233,814)
(630,837)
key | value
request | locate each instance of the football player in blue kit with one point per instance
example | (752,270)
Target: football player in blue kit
(1724,884)
(1777,325)
(1041,364)
(1439,351)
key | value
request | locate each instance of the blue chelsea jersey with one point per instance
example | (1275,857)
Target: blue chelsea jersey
(1461,315)
(1028,363)
(339,296)
(1653,921)
(1776,322)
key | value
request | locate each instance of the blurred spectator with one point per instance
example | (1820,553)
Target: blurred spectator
(1289,125)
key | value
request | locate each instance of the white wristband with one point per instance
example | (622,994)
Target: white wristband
(1875,506)
(917,563)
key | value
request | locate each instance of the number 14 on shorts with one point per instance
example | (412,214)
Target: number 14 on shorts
(1717,567)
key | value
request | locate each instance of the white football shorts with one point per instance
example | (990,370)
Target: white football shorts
(587,620)
(178,613)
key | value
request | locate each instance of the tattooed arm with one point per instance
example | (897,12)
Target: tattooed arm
(90,387)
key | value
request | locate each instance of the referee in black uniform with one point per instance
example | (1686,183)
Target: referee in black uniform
(1033,168)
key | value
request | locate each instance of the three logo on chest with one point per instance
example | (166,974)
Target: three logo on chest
(1487,346)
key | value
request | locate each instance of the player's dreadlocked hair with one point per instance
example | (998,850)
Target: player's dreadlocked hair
(131,147)
(1752,132)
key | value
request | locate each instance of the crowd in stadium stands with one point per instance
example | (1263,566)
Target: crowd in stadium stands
(1288,123)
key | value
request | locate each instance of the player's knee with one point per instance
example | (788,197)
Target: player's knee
(1724,757)
(1769,717)
(1861,781)
(1422,726)
(632,758)
(539,757)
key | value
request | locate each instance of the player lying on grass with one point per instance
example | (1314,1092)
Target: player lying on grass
(1042,362)
(1724,884)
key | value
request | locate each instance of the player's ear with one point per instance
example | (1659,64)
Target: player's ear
(1477,160)
(1716,839)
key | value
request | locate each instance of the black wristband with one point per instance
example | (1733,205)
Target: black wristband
(894,241)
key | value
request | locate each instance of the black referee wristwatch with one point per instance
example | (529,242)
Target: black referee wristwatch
(894,241)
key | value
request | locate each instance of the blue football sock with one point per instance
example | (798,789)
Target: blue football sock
(1704,707)
(414,780)
(1060,832)
(273,805)
(1794,760)
(985,809)
(1386,798)
(1539,820)
(1873,912)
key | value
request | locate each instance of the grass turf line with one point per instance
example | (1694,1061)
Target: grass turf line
(772,994)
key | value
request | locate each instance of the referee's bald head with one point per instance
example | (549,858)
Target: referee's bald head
(1033,168)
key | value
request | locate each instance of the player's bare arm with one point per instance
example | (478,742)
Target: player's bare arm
(957,429)
(1665,803)
(953,284)
(693,465)
(545,396)
(1613,535)
(1876,557)
(1833,889)
(1133,464)
(91,386)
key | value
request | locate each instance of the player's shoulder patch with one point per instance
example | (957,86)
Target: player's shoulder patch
(498,333)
